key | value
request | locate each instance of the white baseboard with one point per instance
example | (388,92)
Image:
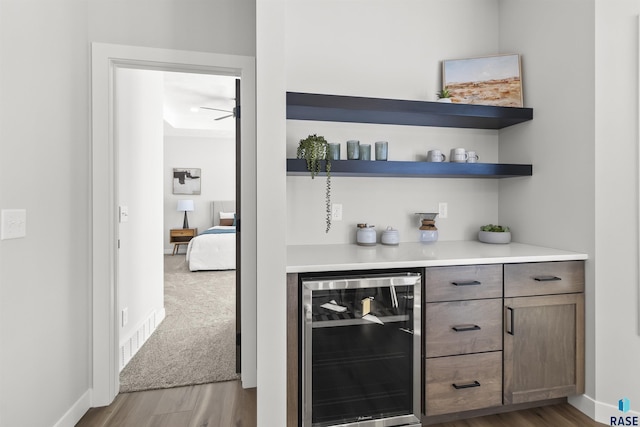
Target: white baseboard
(599,411)
(130,345)
(584,404)
(77,410)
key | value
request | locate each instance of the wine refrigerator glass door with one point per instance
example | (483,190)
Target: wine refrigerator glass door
(361,351)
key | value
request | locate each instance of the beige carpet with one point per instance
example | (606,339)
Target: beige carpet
(195,343)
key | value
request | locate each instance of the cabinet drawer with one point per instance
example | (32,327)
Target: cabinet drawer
(187,232)
(461,327)
(463,282)
(543,278)
(462,383)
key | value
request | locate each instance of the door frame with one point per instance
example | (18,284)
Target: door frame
(105,58)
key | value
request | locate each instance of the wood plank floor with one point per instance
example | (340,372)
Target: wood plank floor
(224,404)
(227,404)
(562,415)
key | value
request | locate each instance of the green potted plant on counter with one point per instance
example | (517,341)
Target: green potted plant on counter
(314,149)
(491,233)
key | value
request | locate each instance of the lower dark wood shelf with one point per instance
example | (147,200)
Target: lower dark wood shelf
(373,168)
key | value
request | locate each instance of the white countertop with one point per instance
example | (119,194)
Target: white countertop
(312,258)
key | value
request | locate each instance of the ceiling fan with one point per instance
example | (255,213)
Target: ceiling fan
(233,112)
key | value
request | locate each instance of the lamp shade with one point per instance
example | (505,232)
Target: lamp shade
(185,205)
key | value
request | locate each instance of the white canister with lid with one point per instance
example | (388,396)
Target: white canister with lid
(390,236)
(366,235)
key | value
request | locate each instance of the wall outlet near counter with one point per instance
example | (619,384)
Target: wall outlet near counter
(443,210)
(336,212)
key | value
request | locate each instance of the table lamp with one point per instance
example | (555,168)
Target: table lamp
(186,206)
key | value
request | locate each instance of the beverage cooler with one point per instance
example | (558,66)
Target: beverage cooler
(360,350)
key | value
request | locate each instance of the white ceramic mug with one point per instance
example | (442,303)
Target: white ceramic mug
(472,157)
(459,155)
(436,156)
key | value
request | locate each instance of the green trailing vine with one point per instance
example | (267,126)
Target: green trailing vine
(313,149)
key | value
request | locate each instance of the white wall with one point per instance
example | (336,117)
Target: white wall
(555,207)
(388,50)
(271,200)
(220,26)
(44,168)
(215,156)
(139,125)
(45,318)
(616,210)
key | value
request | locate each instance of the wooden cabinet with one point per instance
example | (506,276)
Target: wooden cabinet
(181,236)
(482,350)
(543,331)
(463,338)
(493,335)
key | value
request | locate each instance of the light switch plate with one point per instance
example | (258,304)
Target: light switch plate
(124,213)
(14,224)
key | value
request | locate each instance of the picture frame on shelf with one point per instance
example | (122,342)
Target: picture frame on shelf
(489,80)
(187,181)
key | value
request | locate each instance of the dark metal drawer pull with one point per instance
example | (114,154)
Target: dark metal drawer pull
(471,283)
(464,328)
(470,385)
(511,313)
(547,278)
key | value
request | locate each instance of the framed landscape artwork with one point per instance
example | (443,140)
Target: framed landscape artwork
(186,180)
(490,80)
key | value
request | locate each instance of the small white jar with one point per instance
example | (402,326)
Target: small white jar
(390,236)
(366,235)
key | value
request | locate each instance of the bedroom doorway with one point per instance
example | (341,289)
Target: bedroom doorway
(193,341)
(105,215)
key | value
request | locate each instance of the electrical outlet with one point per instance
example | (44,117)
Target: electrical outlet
(443,210)
(125,316)
(336,212)
(14,224)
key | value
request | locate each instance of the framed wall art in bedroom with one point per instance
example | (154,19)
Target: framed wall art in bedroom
(187,180)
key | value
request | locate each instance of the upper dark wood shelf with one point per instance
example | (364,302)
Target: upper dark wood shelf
(337,108)
(413,169)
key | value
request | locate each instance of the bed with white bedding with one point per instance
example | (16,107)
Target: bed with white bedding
(215,248)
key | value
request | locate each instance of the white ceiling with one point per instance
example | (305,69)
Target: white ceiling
(185,93)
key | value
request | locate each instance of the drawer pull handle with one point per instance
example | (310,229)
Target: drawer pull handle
(469,385)
(547,278)
(511,314)
(471,283)
(464,328)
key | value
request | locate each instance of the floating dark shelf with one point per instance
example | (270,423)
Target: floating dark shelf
(337,108)
(414,169)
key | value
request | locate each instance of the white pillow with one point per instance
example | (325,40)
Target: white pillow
(227,215)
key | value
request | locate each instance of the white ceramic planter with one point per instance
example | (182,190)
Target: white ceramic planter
(494,236)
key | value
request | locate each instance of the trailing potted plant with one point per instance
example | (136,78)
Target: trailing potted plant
(491,233)
(444,95)
(314,149)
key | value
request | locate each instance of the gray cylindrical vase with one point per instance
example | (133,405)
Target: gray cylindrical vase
(365,152)
(353,149)
(381,150)
(334,151)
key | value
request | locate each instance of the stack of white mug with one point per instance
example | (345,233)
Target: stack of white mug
(458,155)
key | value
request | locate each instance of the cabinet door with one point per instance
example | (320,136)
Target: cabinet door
(543,347)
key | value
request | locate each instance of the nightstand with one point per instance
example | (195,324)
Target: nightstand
(181,236)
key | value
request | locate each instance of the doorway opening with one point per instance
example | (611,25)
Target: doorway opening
(105,163)
(178,150)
